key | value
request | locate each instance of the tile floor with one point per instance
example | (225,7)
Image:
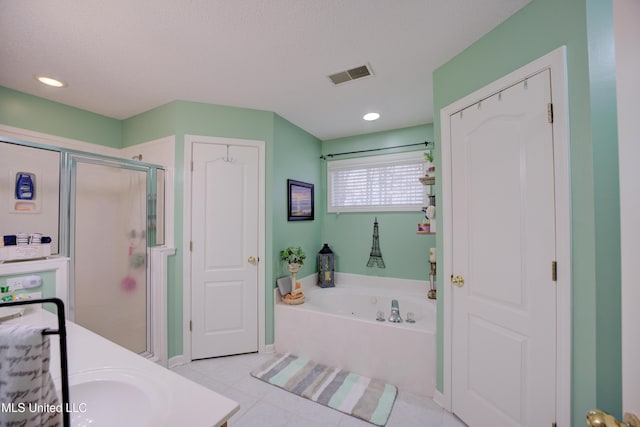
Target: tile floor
(265,405)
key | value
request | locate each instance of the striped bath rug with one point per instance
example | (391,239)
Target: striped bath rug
(361,397)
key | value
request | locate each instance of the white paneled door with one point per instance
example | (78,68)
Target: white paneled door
(504,246)
(225,229)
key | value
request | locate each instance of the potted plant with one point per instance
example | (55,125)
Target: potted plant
(294,256)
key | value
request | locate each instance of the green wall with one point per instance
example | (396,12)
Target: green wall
(604,138)
(150,125)
(349,235)
(290,153)
(192,118)
(584,26)
(24,111)
(296,156)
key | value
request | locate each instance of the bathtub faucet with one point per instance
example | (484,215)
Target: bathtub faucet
(395,312)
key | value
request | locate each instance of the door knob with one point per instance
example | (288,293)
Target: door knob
(457,281)
(598,418)
(252,260)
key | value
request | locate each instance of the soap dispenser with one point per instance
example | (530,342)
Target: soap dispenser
(24,186)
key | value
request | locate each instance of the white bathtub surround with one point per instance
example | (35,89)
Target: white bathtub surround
(337,327)
(118,387)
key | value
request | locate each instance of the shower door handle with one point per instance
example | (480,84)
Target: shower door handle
(252,260)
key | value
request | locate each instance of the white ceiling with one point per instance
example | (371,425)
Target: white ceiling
(123,57)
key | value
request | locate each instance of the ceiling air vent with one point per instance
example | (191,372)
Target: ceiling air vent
(352,74)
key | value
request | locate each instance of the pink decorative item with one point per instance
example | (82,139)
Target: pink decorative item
(128,283)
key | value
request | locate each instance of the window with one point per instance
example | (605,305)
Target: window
(377,183)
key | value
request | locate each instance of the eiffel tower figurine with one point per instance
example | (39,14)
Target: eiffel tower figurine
(376,256)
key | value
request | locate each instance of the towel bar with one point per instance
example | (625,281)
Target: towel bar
(62,333)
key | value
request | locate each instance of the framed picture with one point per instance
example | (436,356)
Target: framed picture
(300,200)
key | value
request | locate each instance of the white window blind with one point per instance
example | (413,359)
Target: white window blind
(377,183)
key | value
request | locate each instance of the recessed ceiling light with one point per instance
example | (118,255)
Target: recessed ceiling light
(371,116)
(50,81)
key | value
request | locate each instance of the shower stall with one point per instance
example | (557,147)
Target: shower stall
(112,224)
(110,214)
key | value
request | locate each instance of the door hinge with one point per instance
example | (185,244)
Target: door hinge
(550,112)
(192,166)
(190,325)
(554,271)
(191,246)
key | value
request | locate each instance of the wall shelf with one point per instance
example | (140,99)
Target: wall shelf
(424,232)
(431,180)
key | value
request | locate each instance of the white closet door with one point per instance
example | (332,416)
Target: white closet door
(504,315)
(225,227)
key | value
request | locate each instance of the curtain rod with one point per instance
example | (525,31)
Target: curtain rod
(324,156)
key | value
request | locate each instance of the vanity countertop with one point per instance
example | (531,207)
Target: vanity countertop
(184,403)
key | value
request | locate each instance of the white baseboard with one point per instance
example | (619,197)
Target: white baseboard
(439,399)
(269,348)
(177,361)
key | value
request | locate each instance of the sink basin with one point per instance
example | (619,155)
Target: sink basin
(115,397)
(109,403)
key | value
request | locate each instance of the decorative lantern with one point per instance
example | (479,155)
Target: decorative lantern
(325,267)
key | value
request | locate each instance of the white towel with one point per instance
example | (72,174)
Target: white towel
(27,393)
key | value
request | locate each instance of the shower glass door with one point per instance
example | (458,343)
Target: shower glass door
(108,248)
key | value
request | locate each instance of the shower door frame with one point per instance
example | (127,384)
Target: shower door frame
(69,160)
(64,282)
